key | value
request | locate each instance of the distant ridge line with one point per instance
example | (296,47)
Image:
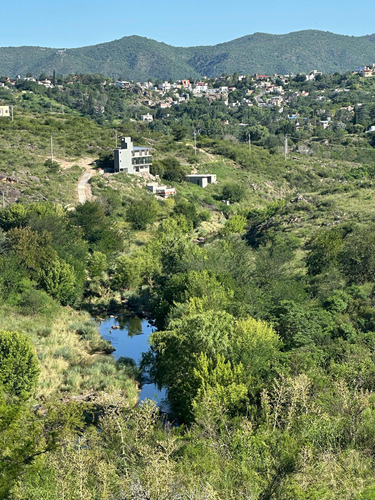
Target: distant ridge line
(140,58)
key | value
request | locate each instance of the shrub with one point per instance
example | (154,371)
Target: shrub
(157,168)
(19,365)
(141,213)
(59,280)
(53,166)
(34,302)
(233,192)
(173,170)
(235,224)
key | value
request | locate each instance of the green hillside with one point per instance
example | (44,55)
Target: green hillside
(263,310)
(139,58)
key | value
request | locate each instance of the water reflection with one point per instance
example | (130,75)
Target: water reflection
(129,336)
(132,325)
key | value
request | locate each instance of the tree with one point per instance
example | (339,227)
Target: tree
(34,250)
(325,248)
(189,210)
(257,346)
(157,168)
(12,216)
(236,224)
(97,229)
(233,192)
(19,365)
(220,385)
(141,213)
(179,132)
(173,170)
(97,264)
(175,293)
(357,257)
(177,350)
(132,270)
(59,281)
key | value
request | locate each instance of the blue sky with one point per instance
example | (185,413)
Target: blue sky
(69,23)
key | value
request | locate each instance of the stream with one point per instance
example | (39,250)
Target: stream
(130,340)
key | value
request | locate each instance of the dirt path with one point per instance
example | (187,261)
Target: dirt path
(211,157)
(83,187)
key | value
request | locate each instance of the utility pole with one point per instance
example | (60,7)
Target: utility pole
(249,142)
(116,137)
(286,146)
(51,150)
(195,142)
(12,113)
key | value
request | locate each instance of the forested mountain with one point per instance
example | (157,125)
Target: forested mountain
(139,58)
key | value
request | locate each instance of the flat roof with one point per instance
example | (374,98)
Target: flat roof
(199,175)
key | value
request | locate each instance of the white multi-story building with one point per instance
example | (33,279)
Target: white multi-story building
(132,159)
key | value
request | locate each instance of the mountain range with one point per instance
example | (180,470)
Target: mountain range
(139,58)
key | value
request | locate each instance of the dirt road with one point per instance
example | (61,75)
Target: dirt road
(83,186)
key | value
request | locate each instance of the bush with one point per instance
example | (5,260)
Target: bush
(173,170)
(141,213)
(235,224)
(53,166)
(59,280)
(233,192)
(190,212)
(34,302)
(157,168)
(19,365)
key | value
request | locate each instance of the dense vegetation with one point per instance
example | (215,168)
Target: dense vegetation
(138,58)
(264,307)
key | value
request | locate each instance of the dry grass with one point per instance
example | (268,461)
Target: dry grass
(70,353)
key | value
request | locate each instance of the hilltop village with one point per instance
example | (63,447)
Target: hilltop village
(310,100)
(312,114)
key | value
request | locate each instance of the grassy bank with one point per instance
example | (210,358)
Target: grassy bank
(73,358)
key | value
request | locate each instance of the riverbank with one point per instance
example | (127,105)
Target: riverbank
(73,358)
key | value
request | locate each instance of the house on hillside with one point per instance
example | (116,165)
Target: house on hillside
(4,111)
(163,191)
(201,180)
(132,159)
(147,117)
(123,84)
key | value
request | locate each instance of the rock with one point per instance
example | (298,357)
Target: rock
(298,198)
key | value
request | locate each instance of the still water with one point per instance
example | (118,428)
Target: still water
(130,341)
